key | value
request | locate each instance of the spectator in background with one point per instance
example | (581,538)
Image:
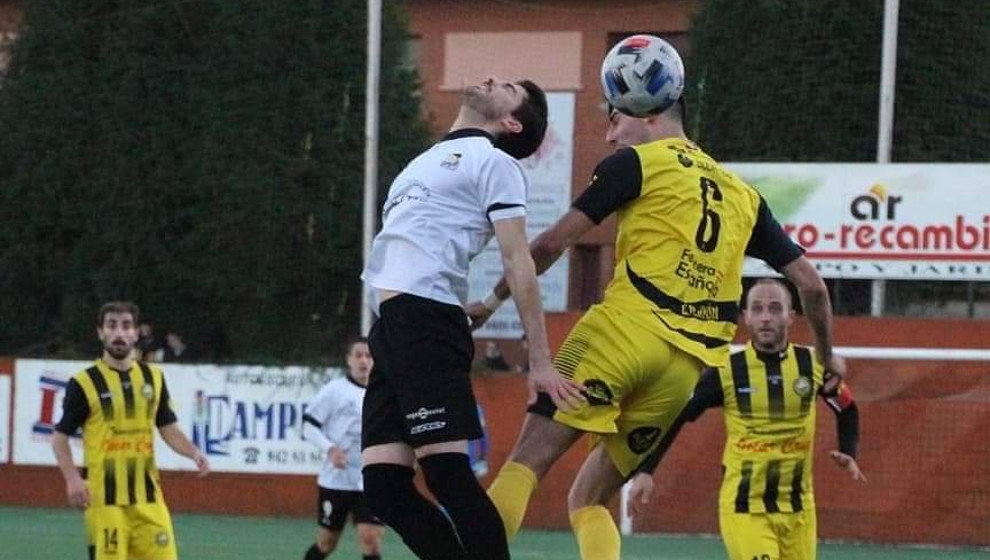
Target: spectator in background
(216,346)
(493,359)
(146,346)
(176,350)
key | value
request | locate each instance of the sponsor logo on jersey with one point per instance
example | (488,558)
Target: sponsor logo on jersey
(451,161)
(642,439)
(597,392)
(802,386)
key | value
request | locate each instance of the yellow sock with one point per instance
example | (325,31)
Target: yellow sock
(597,536)
(510,491)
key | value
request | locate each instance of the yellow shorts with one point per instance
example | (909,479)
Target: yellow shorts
(138,532)
(770,536)
(636,383)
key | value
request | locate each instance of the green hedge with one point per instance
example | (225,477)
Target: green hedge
(204,159)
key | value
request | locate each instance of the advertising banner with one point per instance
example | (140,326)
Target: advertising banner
(881,221)
(244,418)
(38,393)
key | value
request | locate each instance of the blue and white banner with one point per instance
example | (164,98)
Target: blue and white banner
(244,418)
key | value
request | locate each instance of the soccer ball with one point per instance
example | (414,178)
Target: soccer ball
(642,75)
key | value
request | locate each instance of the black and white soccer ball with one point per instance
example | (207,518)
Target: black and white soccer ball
(642,75)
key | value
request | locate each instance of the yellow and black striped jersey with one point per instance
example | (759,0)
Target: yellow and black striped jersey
(769,411)
(118,412)
(684,226)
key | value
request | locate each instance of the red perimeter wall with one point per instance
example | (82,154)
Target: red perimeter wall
(925,448)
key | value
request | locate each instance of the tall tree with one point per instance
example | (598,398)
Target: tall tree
(203,158)
(772,80)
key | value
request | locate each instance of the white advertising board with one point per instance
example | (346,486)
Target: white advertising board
(881,221)
(245,418)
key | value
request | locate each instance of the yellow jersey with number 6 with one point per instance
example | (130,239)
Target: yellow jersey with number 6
(680,248)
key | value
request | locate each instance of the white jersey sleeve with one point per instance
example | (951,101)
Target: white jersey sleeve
(502,185)
(321,407)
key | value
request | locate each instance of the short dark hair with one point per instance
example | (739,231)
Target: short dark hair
(118,307)
(532,115)
(352,341)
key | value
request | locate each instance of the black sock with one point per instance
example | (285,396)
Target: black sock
(314,553)
(449,477)
(393,498)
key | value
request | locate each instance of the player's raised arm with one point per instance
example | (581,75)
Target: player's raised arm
(770,244)
(616,181)
(818,312)
(842,403)
(520,274)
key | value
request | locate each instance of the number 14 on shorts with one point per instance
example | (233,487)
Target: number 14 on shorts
(110,541)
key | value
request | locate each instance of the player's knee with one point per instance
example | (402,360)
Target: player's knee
(327,541)
(583,494)
(447,474)
(542,442)
(534,459)
(386,488)
(369,538)
(449,477)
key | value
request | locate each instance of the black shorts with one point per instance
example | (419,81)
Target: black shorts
(419,391)
(335,505)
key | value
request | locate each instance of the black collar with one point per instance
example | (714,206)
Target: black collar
(771,356)
(467,133)
(354,381)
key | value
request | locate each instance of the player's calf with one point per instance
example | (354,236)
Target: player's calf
(450,478)
(393,498)
(369,537)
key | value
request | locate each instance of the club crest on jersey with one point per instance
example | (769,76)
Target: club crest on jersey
(161,539)
(597,392)
(802,386)
(147,391)
(451,161)
(641,440)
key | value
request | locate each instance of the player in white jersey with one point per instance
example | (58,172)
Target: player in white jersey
(332,423)
(441,211)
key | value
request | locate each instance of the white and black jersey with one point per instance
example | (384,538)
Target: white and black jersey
(333,418)
(439,215)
